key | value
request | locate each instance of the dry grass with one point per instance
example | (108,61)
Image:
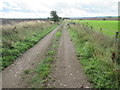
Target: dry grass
(22,31)
(18,37)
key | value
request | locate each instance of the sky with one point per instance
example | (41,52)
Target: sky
(64,8)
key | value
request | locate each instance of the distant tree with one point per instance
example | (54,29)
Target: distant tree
(48,18)
(109,17)
(54,16)
(60,17)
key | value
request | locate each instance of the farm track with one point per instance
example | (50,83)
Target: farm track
(11,76)
(67,71)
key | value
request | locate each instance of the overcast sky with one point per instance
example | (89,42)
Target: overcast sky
(64,8)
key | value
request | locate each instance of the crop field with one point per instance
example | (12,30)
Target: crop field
(108,27)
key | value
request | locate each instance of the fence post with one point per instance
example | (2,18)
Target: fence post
(83,26)
(116,44)
(13,28)
(116,36)
(100,29)
(91,27)
(116,39)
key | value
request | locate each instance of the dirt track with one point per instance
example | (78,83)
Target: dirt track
(11,76)
(67,72)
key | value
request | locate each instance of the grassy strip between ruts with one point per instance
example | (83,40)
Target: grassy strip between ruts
(95,57)
(44,67)
(10,54)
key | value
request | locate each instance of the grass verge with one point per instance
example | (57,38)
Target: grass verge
(14,45)
(94,54)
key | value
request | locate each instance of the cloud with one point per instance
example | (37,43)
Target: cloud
(65,8)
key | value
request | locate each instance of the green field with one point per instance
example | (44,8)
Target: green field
(108,27)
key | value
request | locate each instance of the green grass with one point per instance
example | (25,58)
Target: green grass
(27,71)
(49,53)
(44,67)
(109,27)
(94,54)
(28,34)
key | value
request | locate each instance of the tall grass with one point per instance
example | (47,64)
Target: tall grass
(18,37)
(94,51)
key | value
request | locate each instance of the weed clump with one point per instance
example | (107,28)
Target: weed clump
(27,71)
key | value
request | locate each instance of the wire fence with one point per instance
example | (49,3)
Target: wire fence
(115,39)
